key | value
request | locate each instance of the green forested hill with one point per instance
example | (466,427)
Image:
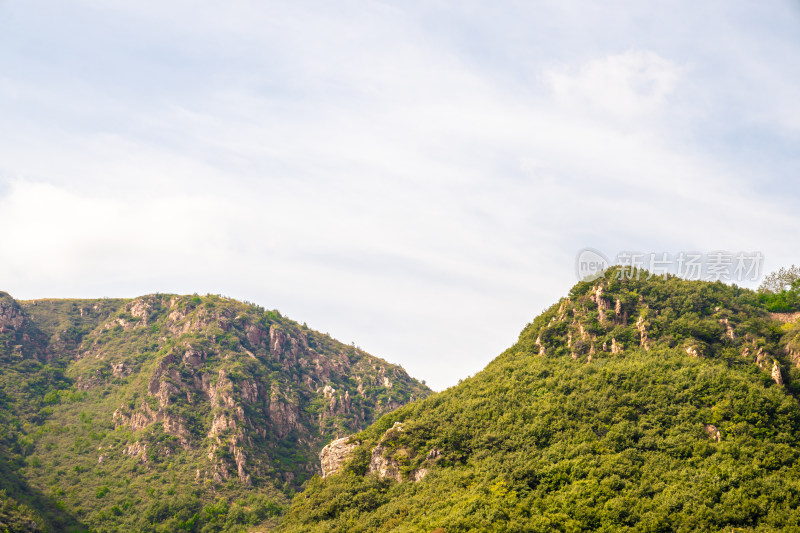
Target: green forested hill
(171,413)
(630,405)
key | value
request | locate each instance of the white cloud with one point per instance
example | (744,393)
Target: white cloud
(413,179)
(635,84)
(62,237)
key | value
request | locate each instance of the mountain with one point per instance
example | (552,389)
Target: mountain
(630,405)
(171,413)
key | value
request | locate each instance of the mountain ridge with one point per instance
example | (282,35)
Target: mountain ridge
(629,405)
(226,398)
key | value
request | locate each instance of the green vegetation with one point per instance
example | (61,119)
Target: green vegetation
(785,301)
(171,413)
(780,291)
(632,405)
(28,385)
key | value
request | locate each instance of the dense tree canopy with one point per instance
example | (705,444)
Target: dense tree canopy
(632,405)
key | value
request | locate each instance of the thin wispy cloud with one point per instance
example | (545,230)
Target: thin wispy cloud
(415,178)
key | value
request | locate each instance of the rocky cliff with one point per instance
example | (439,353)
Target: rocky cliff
(217,395)
(20,337)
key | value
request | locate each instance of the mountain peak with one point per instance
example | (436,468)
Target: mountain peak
(224,395)
(621,395)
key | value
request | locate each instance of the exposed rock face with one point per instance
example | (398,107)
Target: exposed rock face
(794,357)
(785,317)
(11,316)
(208,397)
(776,373)
(137,450)
(383,465)
(584,327)
(713,432)
(728,329)
(762,358)
(145,416)
(615,348)
(385,459)
(20,336)
(120,370)
(334,455)
(602,305)
(141,308)
(189,374)
(640,326)
(238,386)
(418,475)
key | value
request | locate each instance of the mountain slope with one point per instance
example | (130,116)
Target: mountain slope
(25,379)
(169,413)
(631,405)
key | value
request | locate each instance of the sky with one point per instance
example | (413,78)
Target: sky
(417,178)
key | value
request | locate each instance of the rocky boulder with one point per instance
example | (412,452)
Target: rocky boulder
(334,455)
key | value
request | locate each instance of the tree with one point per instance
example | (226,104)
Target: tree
(780,280)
